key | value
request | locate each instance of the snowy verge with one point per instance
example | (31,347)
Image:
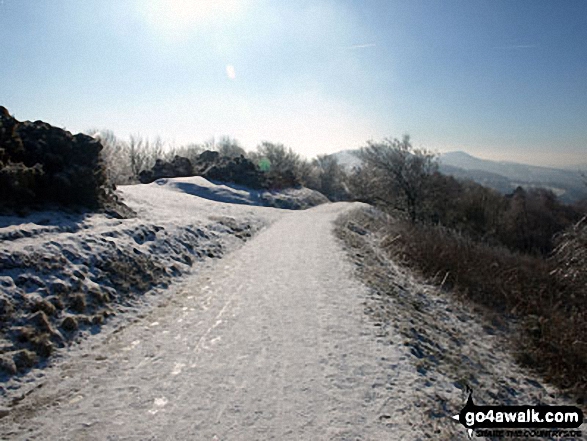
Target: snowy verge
(63,274)
(453,347)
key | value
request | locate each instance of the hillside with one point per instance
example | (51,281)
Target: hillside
(66,273)
(276,340)
(506,176)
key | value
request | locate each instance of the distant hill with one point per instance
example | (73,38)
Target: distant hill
(506,176)
(347,158)
(502,176)
(581,167)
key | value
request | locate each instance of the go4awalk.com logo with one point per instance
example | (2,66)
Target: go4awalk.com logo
(520,421)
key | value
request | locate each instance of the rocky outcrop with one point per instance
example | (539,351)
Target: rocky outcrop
(178,168)
(238,170)
(212,166)
(44,165)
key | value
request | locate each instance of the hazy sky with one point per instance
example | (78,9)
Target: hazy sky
(498,79)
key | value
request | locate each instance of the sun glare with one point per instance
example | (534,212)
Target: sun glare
(176,18)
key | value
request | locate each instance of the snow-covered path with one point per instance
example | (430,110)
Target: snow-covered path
(271,342)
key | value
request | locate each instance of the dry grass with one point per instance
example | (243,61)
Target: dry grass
(548,296)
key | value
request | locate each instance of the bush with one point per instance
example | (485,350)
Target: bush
(532,219)
(328,177)
(284,168)
(230,147)
(567,333)
(397,177)
(519,256)
(114,155)
(549,296)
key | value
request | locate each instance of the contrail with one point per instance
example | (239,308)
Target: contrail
(361,46)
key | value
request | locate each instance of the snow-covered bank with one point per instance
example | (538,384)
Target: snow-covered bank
(62,274)
(290,198)
(453,347)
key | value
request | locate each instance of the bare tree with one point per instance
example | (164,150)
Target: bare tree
(361,184)
(142,153)
(230,147)
(190,151)
(402,173)
(125,160)
(114,154)
(155,150)
(137,155)
(331,177)
(283,166)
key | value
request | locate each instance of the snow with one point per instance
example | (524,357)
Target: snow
(271,342)
(275,340)
(168,197)
(90,267)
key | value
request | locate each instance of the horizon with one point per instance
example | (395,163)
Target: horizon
(499,80)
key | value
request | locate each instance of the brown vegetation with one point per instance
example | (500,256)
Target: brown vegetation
(522,257)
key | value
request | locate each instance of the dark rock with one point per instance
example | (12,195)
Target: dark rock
(78,274)
(210,165)
(208,156)
(178,167)
(24,334)
(6,306)
(29,281)
(57,302)
(6,282)
(238,170)
(96,296)
(42,165)
(182,166)
(59,287)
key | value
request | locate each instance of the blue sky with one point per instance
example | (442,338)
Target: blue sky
(498,79)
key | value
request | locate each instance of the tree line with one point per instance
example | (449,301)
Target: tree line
(393,175)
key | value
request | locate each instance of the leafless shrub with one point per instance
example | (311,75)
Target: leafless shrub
(190,151)
(142,153)
(114,154)
(230,147)
(126,159)
(325,175)
(403,174)
(283,166)
(547,295)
